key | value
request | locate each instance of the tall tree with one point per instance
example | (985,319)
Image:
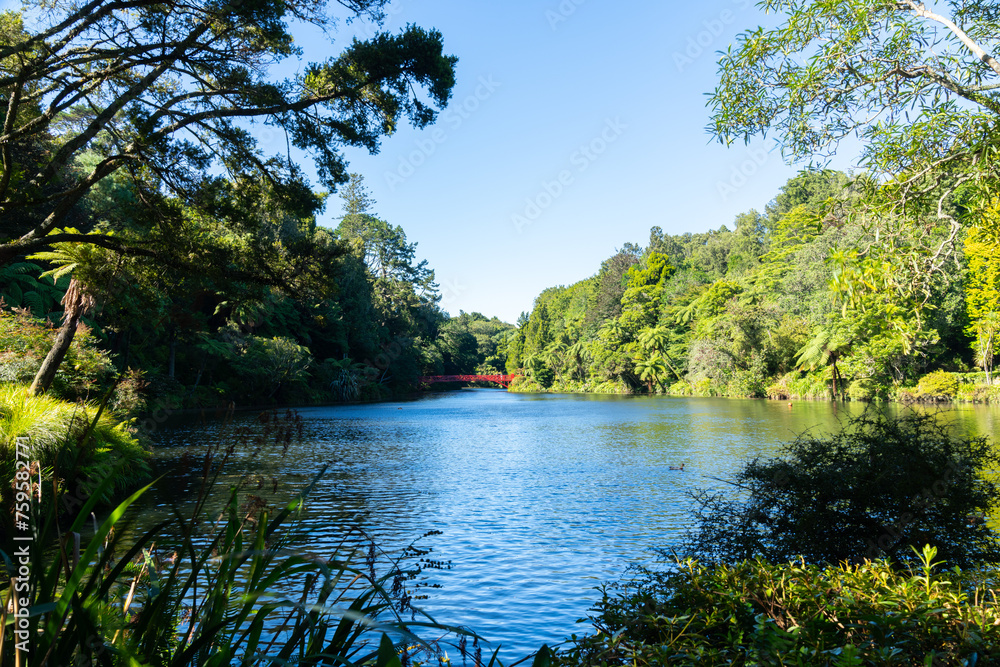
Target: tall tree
(76,302)
(357,198)
(164,92)
(916,83)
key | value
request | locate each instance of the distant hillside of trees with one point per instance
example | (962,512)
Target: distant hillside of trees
(807,299)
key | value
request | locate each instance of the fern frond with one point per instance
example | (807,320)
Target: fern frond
(35,302)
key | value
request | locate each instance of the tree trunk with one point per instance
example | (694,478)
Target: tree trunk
(47,372)
(171,356)
(835,374)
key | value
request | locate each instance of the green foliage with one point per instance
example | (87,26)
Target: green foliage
(21,287)
(272,364)
(705,387)
(681,388)
(938,385)
(982,296)
(79,442)
(828,70)
(220,79)
(757,613)
(86,370)
(865,389)
(815,299)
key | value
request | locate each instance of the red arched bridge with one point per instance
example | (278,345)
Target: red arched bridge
(502,380)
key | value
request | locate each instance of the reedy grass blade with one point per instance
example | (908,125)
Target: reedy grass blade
(81,568)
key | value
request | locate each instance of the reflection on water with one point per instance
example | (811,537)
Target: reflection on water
(539,498)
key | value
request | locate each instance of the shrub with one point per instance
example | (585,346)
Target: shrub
(681,388)
(876,489)
(865,389)
(756,613)
(611,387)
(272,365)
(938,385)
(778,390)
(814,384)
(705,387)
(24,342)
(747,384)
(526,385)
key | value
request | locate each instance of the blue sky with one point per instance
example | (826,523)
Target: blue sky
(574,127)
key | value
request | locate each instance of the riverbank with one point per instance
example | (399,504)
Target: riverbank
(935,387)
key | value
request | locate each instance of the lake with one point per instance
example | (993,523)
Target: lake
(539,498)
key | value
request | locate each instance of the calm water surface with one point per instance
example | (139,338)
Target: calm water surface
(539,498)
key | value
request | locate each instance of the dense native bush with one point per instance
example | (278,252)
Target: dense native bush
(756,613)
(877,489)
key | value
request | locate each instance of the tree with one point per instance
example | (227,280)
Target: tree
(982,296)
(651,370)
(357,199)
(656,340)
(577,353)
(164,92)
(826,347)
(611,281)
(76,302)
(915,85)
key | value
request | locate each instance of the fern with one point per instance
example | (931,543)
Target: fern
(22,288)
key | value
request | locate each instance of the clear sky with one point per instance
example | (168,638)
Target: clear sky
(574,127)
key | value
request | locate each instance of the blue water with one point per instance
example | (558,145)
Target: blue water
(539,498)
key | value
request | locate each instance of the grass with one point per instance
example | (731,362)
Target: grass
(78,443)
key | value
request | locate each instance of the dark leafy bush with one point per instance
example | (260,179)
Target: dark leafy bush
(879,488)
(756,613)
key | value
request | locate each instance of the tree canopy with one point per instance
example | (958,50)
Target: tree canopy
(917,84)
(162,96)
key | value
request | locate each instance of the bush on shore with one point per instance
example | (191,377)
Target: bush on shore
(756,613)
(877,489)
